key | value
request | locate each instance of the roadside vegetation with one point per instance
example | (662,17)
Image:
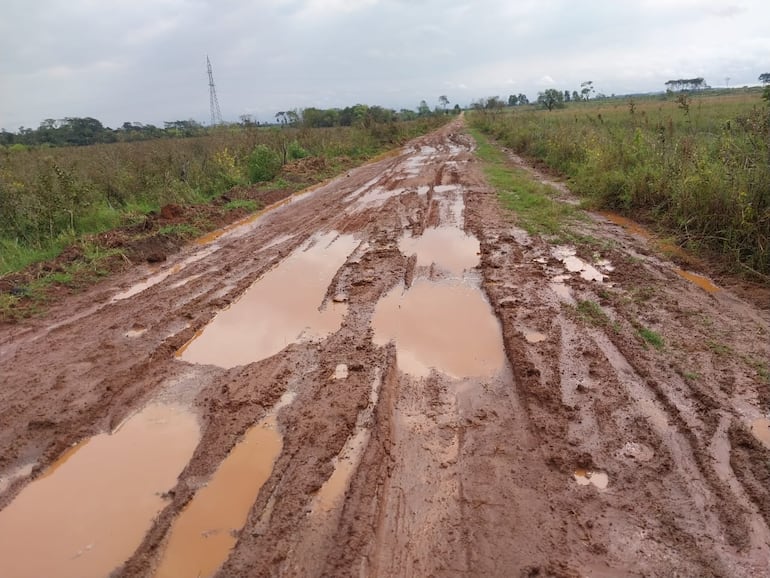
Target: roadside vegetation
(72,214)
(694,165)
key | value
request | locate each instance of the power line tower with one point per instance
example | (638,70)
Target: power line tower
(216,114)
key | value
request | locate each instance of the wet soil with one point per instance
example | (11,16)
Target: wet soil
(384,376)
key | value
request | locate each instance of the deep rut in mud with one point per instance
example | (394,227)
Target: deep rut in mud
(384,376)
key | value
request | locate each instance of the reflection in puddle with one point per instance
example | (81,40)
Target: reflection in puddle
(760,428)
(587,477)
(448,326)
(449,247)
(698,280)
(91,509)
(341,371)
(374,198)
(205,532)
(280,308)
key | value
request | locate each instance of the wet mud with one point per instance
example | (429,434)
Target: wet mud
(384,376)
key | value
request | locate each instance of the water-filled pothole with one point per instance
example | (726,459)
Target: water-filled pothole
(698,280)
(448,326)
(280,308)
(88,513)
(575,264)
(760,428)
(205,531)
(448,247)
(591,477)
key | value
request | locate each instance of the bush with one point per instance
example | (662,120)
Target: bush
(295,151)
(263,164)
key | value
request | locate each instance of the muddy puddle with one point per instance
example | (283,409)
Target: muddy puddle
(447,325)
(374,198)
(533,336)
(88,513)
(204,533)
(282,307)
(760,429)
(448,247)
(597,479)
(574,264)
(698,280)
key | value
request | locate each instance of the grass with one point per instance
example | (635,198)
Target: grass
(181,230)
(702,174)
(651,337)
(592,313)
(246,204)
(536,211)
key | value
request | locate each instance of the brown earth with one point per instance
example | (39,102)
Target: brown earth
(471,475)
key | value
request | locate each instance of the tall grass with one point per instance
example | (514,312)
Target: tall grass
(697,166)
(51,196)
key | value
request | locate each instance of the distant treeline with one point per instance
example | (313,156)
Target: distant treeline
(76,131)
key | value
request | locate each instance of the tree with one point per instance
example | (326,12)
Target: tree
(566,96)
(575,95)
(443,101)
(513,100)
(551,99)
(523,99)
(764,78)
(586,89)
(423,109)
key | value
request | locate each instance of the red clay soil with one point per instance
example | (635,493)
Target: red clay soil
(589,450)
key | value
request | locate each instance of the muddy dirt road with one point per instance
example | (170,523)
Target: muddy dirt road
(385,377)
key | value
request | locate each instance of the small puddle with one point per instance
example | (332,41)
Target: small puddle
(575,264)
(89,512)
(205,531)
(534,336)
(698,280)
(448,326)
(594,478)
(760,428)
(374,198)
(448,247)
(280,308)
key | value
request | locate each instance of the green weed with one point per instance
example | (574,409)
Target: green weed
(651,337)
(181,230)
(592,313)
(246,204)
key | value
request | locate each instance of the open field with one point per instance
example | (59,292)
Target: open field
(697,167)
(437,364)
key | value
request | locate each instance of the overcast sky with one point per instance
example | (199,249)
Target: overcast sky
(144,60)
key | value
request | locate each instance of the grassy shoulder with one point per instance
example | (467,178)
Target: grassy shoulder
(694,167)
(533,204)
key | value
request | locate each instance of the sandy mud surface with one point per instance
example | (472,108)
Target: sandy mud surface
(384,376)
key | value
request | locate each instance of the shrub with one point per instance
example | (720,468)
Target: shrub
(264,164)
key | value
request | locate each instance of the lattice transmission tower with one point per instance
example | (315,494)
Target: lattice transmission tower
(216,114)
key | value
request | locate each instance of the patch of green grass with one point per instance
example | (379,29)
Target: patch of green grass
(719,348)
(532,202)
(246,204)
(181,230)
(592,313)
(691,376)
(651,337)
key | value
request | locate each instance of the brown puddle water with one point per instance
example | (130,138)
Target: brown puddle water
(448,326)
(280,308)
(698,280)
(205,532)
(587,477)
(448,247)
(760,428)
(89,512)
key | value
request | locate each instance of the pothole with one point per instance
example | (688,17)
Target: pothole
(448,247)
(698,280)
(90,510)
(760,429)
(594,478)
(282,307)
(533,336)
(205,531)
(448,326)
(575,264)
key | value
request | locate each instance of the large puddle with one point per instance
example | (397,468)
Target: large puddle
(449,247)
(89,512)
(698,280)
(205,532)
(280,308)
(448,326)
